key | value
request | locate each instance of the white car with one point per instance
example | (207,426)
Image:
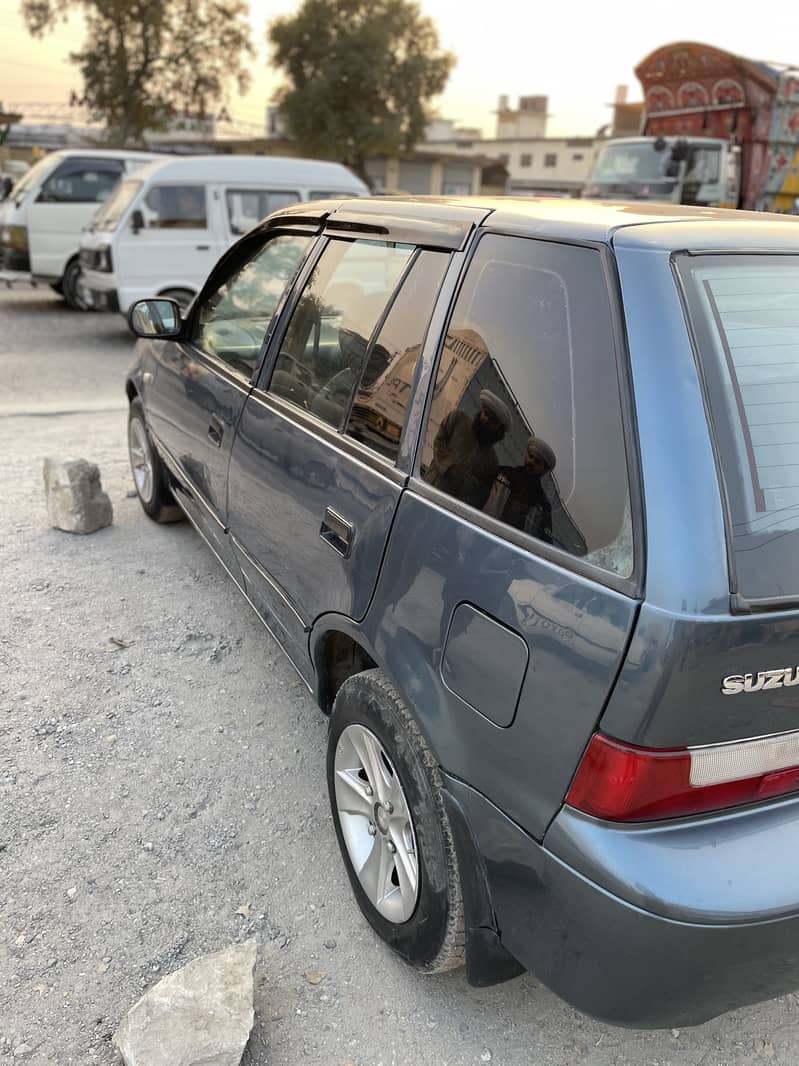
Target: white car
(42,218)
(166,226)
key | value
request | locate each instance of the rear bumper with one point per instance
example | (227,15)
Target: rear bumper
(679,950)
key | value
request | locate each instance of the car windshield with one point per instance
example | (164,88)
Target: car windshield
(745,313)
(632,162)
(107,218)
(36,173)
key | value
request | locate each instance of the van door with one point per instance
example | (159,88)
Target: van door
(508,592)
(202,382)
(171,241)
(65,204)
(313,481)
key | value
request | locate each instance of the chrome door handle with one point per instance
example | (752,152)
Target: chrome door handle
(337,532)
(216,430)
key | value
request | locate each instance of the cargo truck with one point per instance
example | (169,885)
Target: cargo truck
(718,130)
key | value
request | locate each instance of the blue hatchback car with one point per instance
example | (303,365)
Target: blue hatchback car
(515,486)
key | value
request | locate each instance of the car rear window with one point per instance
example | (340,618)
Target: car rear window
(745,313)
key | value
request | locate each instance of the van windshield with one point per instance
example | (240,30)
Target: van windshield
(36,173)
(745,313)
(107,218)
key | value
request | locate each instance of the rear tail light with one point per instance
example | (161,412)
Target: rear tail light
(622,783)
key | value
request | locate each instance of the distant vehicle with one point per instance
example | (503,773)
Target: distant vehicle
(719,131)
(165,227)
(515,485)
(42,217)
(10,173)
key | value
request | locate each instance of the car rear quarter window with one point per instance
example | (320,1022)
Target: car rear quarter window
(327,339)
(745,316)
(525,423)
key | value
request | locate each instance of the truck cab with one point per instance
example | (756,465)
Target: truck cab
(702,171)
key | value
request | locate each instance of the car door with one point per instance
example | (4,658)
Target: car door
(510,585)
(202,382)
(173,238)
(65,204)
(313,483)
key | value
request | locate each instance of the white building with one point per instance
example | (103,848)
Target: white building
(536,164)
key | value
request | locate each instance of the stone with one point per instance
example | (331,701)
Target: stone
(201,1014)
(75,499)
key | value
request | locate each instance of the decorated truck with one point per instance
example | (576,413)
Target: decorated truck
(717,129)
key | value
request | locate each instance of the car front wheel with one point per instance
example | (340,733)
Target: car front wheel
(395,838)
(149,474)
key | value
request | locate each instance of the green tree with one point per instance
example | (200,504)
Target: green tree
(144,61)
(360,76)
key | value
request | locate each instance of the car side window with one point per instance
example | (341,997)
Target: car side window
(384,390)
(525,422)
(232,321)
(80,183)
(327,339)
(246,207)
(175,207)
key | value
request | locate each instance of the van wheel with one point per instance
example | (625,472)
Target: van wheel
(393,831)
(182,297)
(149,473)
(72,287)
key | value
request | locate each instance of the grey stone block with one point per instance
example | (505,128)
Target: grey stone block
(198,1016)
(76,502)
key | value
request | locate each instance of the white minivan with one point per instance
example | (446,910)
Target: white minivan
(43,216)
(166,226)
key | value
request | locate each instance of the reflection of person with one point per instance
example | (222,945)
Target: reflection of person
(464,461)
(518,497)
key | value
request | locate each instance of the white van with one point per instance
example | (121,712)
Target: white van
(166,226)
(43,216)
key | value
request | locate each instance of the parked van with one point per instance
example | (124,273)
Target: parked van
(515,486)
(165,227)
(42,218)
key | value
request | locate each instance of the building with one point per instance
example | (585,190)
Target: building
(536,164)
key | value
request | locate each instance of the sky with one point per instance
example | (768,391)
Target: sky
(575,52)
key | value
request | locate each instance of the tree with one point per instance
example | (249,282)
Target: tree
(144,61)
(360,76)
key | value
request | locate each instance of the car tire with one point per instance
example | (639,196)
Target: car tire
(149,473)
(398,830)
(71,287)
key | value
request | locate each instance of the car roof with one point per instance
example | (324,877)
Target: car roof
(670,227)
(275,169)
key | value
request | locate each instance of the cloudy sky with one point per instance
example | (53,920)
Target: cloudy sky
(575,52)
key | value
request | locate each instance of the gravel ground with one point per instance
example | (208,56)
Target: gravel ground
(162,787)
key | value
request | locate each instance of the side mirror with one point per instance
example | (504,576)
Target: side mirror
(137,221)
(155,318)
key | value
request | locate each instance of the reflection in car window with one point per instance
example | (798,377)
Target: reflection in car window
(325,346)
(381,402)
(232,322)
(175,207)
(246,207)
(525,423)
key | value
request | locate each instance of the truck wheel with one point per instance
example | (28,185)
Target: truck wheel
(72,287)
(149,473)
(392,827)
